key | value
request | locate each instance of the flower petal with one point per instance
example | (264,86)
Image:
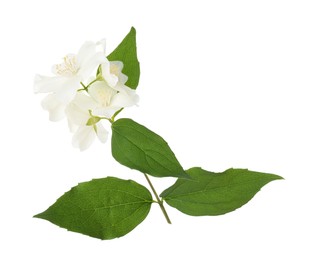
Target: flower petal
(116,69)
(67,93)
(101,45)
(90,65)
(43,84)
(84,137)
(77,111)
(101,93)
(109,77)
(87,50)
(89,59)
(55,108)
(123,78)
(102,133)
(107,112)
(124,99)
(84,102)
(64,87)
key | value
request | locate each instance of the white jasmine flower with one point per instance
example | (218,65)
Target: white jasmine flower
(85,105)
(69,74)
(110,93)
(84,125)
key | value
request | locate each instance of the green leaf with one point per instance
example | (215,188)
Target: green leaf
(126,52)
(102,208)
(137,147)
(208,193)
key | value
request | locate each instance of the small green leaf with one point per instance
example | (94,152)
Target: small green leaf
(102,208)
(208,193)
(137,147)
(126,52)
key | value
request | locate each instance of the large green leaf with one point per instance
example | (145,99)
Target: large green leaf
(103,208)
(137,147)
(208,193)
(126,52)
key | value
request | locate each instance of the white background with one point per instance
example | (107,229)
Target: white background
(226,83)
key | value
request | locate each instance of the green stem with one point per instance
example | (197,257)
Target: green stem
(82,89)
(111,120)
(92,82)
(86,87)
(161,205)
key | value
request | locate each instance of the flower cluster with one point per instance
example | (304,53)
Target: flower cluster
(85,99)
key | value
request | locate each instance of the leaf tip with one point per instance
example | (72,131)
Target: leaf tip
(133,30)
(278,177)
(39,215)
